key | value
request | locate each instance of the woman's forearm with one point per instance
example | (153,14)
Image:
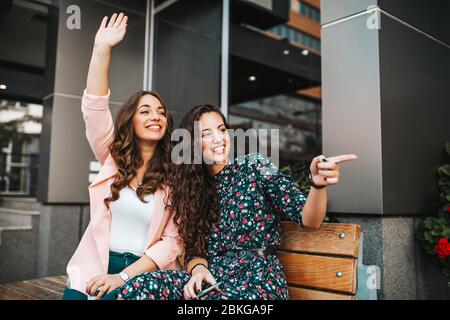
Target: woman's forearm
(194,262)
(315,208)
(97,80)
(144,264)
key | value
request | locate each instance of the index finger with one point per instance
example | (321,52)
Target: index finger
(343,158)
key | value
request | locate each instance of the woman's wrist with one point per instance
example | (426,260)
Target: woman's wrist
(102,48)
(313,184)
(193,261)
(197,267)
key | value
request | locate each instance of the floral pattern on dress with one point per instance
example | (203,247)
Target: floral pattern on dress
(253,196)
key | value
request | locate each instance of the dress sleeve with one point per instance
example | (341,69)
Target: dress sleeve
(286,199)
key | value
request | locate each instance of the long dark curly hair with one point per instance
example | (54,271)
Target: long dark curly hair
(194,195)
(126,153)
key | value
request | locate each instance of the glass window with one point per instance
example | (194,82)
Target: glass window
(296,37)
(296,114)
(309,12)
(283,32)
(303,9)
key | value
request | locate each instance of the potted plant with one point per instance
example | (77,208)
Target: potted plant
(434,233)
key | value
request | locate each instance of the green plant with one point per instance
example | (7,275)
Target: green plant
(435,231)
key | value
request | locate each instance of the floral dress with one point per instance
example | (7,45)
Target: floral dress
(253,196)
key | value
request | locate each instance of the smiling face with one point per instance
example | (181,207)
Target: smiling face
(214,137)
(150,119)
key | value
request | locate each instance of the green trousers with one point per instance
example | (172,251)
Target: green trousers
(117,262)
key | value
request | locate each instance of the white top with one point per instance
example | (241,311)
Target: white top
(130,221)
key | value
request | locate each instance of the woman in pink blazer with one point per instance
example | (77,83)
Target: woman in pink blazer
(131,230)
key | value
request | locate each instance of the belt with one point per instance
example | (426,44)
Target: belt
(241,253)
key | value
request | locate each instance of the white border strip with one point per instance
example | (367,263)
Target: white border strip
(378,9)
(148,64)
(151,12)
(329,24)
(164,5)
(414,28)
(225,57)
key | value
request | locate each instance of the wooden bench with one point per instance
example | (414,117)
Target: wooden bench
(320,264)
(50,288)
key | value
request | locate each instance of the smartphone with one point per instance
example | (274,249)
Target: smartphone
(209,289)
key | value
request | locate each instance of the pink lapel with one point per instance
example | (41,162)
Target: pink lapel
(101,217)
(108,170)
(157,216)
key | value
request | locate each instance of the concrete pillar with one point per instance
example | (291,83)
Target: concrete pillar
(385,75)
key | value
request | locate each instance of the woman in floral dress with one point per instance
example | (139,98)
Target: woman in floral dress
(252,196)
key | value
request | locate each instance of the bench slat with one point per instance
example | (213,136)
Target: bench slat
(60,279)
(34,291)
(308,294)
(320,271)
(9,294)
(324,240)
(49,284)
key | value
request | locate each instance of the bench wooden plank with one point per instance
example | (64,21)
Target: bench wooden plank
(61,279)
(308,294)
(324,240)
(9,294)
(32,290)
(320,272)
(49,284)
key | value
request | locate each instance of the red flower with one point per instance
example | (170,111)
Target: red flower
(442,248)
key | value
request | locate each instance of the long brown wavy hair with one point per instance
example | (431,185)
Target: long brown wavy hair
(126,153)
(194,195)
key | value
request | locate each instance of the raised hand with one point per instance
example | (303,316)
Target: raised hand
(325,171)
(111,33)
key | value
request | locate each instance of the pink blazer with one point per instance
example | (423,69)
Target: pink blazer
(92,254)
